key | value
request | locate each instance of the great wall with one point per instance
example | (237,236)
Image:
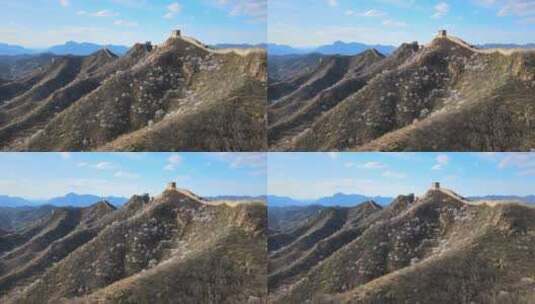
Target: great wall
(443,34)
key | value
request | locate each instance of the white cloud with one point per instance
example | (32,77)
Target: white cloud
(104,13)
(523,162)
(302,189)
(401,3)
(173,162)
(349,164)
(372,13)
(284,33)
(172,10)
(332,155)
(82,164)
(132,3)
(104,166)
(244,160)
(441,10)
(64,3)
(373,165)
(255,9)
(393,174)
(442,160)
(332,3)
(127,175)
(125,23)
(101,13)
(520,8)
(485,2)
(394,23)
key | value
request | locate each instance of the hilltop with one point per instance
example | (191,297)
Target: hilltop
(420,98)
(172,248)
(437,248)
(181,95)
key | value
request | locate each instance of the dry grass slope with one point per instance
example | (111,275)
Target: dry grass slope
(173,248)
(435,249)
(176,96)
(428,98)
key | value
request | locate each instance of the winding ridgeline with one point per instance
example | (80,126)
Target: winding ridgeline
(438,248)
(445,96)
(173,248)
(180,95)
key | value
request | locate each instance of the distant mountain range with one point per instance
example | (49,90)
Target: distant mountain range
(507,46)
(336,48)
(87,48)
(7,49)
(236,198)
(348,200)
(85,200)
(354,48)
(238,46)
(11,201)
(70,199)
(69,48)
(338,199)
(530,199)
(84,48)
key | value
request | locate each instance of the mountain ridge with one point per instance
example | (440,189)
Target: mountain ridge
(407,101)
(158,98)
(398,253)
(156,243)
(349,200)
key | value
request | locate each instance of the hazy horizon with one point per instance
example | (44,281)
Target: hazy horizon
(38,176)
(397,21)
(125,22)
(308,176)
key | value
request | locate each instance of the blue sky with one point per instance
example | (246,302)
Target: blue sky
(46,175)
(314,175)
(41,23)
(315,22)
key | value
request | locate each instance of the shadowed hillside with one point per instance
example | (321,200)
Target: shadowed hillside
(438,248)
(180,95)
(173,248)
(421,98)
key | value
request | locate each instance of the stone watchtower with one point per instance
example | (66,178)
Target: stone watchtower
(442,34)
(176,34)
(171,186)
(435,186)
